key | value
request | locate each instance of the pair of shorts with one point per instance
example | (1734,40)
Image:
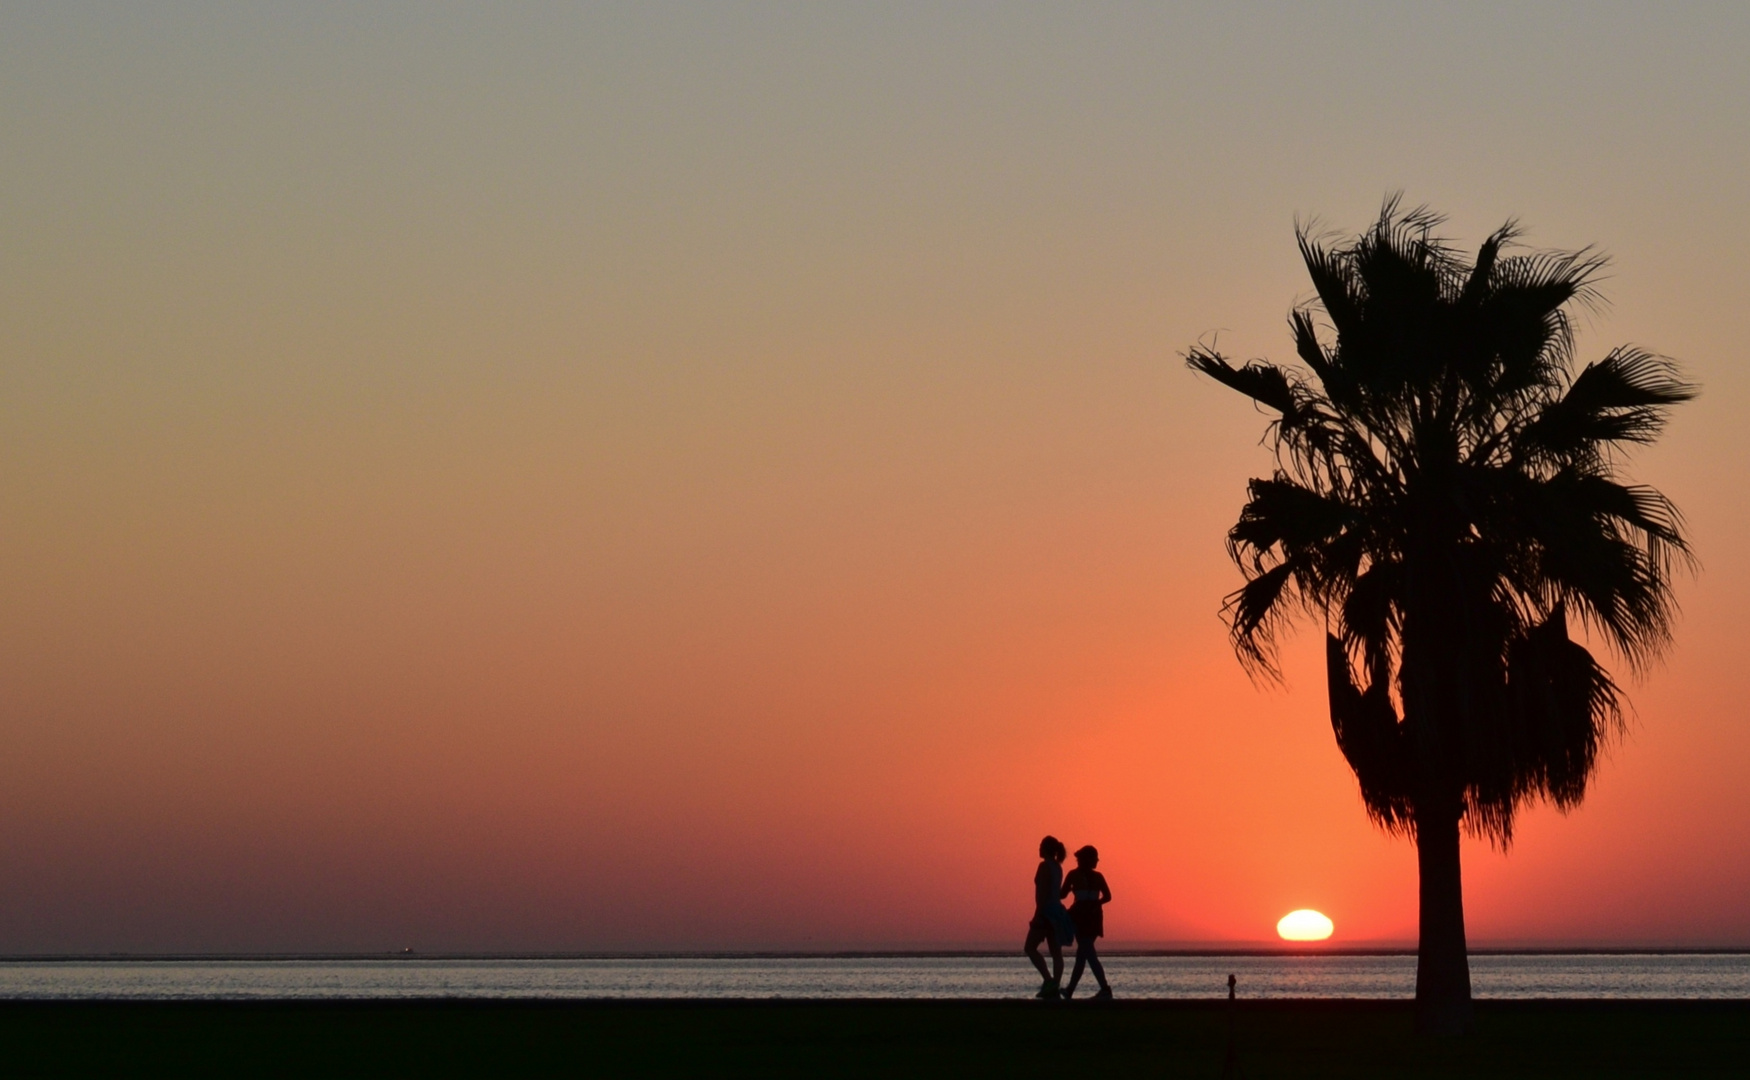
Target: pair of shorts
(1044,928)
(1090,922)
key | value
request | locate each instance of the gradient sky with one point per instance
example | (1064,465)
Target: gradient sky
(708,476)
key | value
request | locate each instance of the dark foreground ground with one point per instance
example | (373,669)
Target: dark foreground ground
(911,1039)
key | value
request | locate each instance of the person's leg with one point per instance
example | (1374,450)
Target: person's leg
(1031,948)
(1075,975)
(1056,975)
(1094,965)
(1099,974)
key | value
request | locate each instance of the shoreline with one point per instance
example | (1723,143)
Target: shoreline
(781,1004)
(851,954)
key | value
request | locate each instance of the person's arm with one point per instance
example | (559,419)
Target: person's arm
(1069,883)
(1105,890)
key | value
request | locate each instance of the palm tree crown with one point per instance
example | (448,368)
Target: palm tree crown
(1447,494)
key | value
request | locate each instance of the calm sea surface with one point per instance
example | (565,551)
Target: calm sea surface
(1640,976)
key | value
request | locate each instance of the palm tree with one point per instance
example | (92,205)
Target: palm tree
(1446,496)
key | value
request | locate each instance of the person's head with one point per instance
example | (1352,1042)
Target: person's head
(1087,857)
(1052,848)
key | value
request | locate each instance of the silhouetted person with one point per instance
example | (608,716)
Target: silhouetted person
(1050,923)
(1092,895)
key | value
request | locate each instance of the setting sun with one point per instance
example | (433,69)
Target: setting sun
(1304,925)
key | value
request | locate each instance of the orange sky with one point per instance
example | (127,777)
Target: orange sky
(659,479)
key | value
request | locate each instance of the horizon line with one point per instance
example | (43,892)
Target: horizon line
(1248,951)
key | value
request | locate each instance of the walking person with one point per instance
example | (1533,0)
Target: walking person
(1051,924)
(1087,913)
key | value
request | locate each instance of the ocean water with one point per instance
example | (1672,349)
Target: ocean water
(1499,976)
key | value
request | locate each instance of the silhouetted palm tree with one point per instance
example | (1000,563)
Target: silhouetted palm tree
(1446,496)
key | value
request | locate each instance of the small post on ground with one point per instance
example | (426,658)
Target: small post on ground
(1230,1068)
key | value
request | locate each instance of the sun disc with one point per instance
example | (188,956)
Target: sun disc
(1304,925)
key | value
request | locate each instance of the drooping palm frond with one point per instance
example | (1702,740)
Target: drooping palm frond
(1372,619)
(1256,610)
(1565,707)
(1371,739)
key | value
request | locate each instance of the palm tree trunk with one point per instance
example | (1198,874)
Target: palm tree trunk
(1443,1005)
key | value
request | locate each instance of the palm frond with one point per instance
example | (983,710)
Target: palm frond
(1254,611)
(1308,347)
(1371,616)
(1332,282)
(1554,278)
(1481,278)
(1602,547)
(1280,512)
(1371,740)
(1565,709)
(1264,383)
(1621,398)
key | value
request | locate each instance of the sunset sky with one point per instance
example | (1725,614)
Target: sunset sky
(643,477)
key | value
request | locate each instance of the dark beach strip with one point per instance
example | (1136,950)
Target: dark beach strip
(724,1037)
